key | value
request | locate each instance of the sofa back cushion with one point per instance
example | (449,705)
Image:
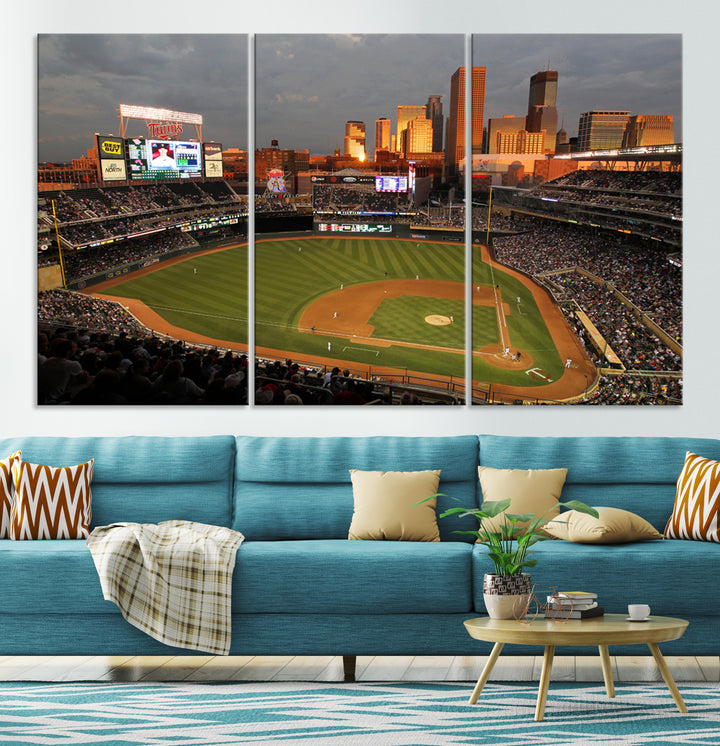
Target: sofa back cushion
(634,473)
(300,488)
(145,479)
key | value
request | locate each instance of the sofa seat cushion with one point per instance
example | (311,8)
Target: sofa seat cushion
(338,576)
(676,578)
(54,576)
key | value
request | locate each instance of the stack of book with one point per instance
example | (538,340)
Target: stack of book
(573,605)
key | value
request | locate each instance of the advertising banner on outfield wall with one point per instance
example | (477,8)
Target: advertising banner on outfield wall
(111,157)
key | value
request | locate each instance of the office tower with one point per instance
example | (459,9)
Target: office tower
(455,150)
(433,111)
(383,136)
(355,140)
(419,136)
(521,142)
(404,115)
(542,111)
(598,130)
(649,129)
(500,127)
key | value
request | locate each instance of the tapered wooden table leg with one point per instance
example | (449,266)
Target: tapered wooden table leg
(606,670)
(485,675)
(544,681)
(665,671)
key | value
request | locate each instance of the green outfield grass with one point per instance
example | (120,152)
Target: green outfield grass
(292,273)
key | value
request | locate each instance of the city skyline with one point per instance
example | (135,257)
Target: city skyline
(308,86)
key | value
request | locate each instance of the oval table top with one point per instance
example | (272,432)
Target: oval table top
(610,629)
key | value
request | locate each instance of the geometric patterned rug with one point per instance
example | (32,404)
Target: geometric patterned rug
(358,714)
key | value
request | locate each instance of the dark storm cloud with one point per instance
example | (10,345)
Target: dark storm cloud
(640,73)
(83,79)
(308,86)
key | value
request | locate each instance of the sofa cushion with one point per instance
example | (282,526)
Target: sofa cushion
(676,578)
(534,491)
(612,526)
(300,488)
(386,505)
(56,576)
(635,473)
(51,502)
(696,512)
(7,492)
(145,479)
(338,576)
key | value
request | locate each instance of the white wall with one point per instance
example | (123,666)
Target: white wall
(700,413)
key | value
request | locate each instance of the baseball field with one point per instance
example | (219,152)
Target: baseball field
(368,304)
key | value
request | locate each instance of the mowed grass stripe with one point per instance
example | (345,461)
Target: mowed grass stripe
(214,301)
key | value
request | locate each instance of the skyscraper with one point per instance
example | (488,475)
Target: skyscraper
(649,129)
(455,150)
(404,115)
(542,110)
(419,136)
(355,139)
(433,111)
(383,137)
(601,129)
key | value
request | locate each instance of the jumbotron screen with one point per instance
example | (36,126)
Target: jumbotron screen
(163,159)
(391,183)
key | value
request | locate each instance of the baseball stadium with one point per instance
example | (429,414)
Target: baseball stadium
(359,286)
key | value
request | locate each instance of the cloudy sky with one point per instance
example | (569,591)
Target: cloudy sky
(82,78)
(307,86)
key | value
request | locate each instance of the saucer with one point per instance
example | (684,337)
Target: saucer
(630,619)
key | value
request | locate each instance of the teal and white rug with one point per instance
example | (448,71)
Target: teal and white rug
(329,714)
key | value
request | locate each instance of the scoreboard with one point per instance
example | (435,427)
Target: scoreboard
(163,159)
(391,183)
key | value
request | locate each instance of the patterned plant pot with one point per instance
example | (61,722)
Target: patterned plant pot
(502,593)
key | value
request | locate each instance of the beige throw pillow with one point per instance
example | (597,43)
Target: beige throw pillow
(384,505)
(612,526)
(530,491)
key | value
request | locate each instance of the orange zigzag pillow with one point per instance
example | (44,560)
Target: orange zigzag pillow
(696,513)
(51,502)
(7,493)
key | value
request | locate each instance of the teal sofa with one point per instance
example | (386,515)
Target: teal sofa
(301,588)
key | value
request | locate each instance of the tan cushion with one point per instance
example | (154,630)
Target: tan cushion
(696,512)
(51,502)
(612,526)
(530,491)
(384,505)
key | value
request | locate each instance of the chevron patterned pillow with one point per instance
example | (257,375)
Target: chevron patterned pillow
(51,502)
(7,492)
(696,513)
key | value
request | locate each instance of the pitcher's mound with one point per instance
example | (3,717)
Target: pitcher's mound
(437,320)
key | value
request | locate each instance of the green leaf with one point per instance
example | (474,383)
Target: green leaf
(492,508)
(580,507)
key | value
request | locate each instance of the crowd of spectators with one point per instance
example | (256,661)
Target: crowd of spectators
(644,276)
(657,182)
(115,360)
(92,261)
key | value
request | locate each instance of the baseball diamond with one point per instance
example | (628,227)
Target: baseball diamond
(369,304)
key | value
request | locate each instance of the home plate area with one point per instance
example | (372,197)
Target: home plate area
(385,714)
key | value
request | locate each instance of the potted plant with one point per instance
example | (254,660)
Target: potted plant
(508,548)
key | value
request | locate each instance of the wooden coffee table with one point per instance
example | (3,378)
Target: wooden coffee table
(611,629)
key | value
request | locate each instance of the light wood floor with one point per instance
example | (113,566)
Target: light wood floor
(328,668)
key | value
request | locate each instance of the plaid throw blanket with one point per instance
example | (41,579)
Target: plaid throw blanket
(172,580)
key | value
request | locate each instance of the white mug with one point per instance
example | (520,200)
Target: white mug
(638,611)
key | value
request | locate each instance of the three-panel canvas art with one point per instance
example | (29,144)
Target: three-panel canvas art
(372,220)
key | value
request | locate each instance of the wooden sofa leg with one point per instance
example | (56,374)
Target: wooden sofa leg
(349,662)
